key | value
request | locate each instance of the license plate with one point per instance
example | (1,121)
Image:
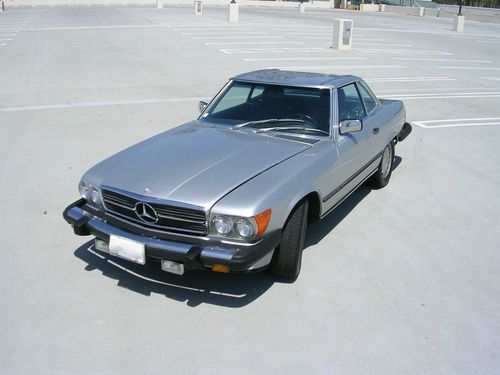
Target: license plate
(127,249)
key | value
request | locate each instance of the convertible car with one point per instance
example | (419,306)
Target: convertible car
(234,190)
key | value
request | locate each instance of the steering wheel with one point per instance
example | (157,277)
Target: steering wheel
(302,116)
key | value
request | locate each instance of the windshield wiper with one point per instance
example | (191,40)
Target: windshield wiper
(268,121)
(292,128)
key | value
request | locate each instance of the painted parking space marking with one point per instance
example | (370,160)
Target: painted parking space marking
(238,37)
(441,60)
(409,79)
(381,44)
(304,58)
(333,67)
(274,50)
(100,104)
(491,78)
(279,42)
(451,95)
(458,123)
(404,51)
(465,67)
(224,32)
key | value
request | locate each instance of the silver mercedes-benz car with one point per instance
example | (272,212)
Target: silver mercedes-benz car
(234,190)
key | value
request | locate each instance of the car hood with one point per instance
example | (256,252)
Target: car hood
(194,163)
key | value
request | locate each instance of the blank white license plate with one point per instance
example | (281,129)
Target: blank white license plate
(127,249)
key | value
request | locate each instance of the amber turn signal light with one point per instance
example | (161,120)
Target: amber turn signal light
(262,221)
(220,268)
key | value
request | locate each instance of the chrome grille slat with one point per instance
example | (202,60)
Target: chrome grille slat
(170,218)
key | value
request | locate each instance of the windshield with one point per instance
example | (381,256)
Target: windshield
(258,105)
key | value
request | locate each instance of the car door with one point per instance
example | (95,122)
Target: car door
(356,150)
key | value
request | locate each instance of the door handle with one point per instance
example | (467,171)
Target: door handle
(375,130)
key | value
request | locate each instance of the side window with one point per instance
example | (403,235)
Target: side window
(350,104)
(368,99)
(236,95)
(256,92)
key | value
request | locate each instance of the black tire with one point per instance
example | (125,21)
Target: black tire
(383,174)
(287,257)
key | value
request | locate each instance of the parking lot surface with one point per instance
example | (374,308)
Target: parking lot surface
(403,280)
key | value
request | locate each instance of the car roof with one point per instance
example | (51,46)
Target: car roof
(293,78)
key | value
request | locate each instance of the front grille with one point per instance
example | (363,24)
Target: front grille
(170,218)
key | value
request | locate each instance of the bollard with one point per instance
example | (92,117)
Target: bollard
(381,7)
(459,24)
(302,7)
(342,34)
(233,14)
(439,10)
(421,11)
(159,4)
(198,7)
(2,6)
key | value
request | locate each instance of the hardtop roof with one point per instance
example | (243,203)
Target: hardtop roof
(293,78)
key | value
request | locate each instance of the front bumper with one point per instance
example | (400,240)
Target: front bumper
(195,253)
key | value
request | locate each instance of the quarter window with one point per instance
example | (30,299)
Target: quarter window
(368,99)
(350,104)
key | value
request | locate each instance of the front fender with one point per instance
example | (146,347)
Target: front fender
(279,188)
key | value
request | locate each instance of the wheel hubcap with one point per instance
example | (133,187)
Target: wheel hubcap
(386,161)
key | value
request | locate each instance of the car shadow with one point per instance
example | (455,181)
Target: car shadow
(193,288)
(198,287)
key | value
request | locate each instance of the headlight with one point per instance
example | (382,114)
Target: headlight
(245,227)
(84,190)
(90,193)
(222,224)
(240,227)
(95,196)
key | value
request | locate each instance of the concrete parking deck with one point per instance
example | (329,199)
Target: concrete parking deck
(403,280)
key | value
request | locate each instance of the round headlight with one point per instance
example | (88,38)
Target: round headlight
(95,195)
(84,190)
(244,227)
(222,224)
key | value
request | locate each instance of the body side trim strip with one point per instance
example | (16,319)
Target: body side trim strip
(346,182)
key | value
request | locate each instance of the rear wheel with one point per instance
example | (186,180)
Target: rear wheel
(287,257)
(383,174)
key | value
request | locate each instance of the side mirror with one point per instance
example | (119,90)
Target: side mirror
(202,106)
(350,126)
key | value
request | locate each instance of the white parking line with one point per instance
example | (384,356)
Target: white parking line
(3,40)
(465,67)
(488,41)
(491,78)
(381,44)
(100,104)
(303,58)
(455,123)
(238,37)
(279,42)
(275,50)
(223,32)
(404,51)
(333,67)
(213,28)
(280,28)
(441,60)
(452,95)
(408,79)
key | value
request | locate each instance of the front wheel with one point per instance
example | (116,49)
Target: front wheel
(287,258)
(381,177)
